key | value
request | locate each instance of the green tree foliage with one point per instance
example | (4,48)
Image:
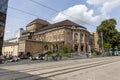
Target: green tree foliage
(110,35)
(107,46)
(65,49)
(116,40)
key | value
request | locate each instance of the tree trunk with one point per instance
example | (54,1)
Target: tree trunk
(113,51)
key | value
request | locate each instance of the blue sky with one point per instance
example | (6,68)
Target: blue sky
(88,13)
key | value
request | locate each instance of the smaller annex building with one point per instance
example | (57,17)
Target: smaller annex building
(30,47)
(10,49)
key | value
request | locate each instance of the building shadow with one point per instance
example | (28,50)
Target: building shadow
(17,75)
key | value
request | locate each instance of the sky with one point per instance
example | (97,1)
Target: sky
(88,13)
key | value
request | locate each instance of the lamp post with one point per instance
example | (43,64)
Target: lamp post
(102,44)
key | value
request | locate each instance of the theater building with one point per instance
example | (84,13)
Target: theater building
(54,36)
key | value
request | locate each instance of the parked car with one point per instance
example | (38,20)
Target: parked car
(2,59)
(14,59)
(34,58)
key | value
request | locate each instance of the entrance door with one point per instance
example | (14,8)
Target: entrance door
(82,48)
(28,54)
(76,48)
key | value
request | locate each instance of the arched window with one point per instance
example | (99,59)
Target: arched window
(46,47)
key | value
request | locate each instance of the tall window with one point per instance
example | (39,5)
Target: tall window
(50,38)
(85,38)
(81,37)
(46,47)
(76,37)
(69,36)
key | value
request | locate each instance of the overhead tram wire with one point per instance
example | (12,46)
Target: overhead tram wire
(59,11)
(22,11)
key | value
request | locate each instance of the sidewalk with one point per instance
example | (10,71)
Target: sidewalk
(75,57)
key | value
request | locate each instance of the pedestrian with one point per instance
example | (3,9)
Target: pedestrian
(60,57)
(53,56)
(46,57)
(87,55)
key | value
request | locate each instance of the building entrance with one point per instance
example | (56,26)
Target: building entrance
(76,48)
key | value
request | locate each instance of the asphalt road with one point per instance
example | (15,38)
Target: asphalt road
(28,61)
(105,68)
(24,61)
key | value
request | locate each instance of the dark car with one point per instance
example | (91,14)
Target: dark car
(2,59)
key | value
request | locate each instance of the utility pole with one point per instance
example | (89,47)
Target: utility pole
(102,44)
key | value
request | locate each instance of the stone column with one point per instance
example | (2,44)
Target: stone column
(73,41)
(84,48)
(79,43)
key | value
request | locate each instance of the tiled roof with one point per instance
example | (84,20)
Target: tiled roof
(39,21)
(9,43)
(62,23)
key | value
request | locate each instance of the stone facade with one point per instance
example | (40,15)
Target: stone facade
(30,47)
(36,25)
(96,38)
(10,49)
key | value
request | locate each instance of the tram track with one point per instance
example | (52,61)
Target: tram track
(48,67)
(67,70)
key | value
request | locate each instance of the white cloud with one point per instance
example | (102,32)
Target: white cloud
(81,13)
(106,6)
(8,31)
(109,6)
(97,2)
(87,15)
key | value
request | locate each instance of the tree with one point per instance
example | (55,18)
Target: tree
(116,40)
(107,46)
(110,34)
(65,49)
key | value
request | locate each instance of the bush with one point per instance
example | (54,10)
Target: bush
(96,54)
(65,49)
(65,54)
(61,54)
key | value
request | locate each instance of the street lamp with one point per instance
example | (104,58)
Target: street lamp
(102,43)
